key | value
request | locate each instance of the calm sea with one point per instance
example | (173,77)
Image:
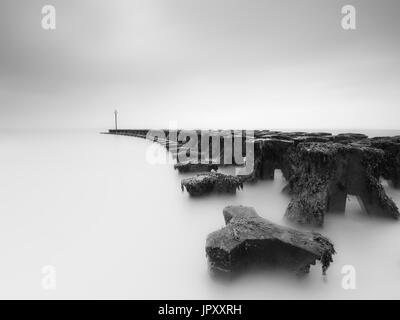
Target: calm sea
(111,225)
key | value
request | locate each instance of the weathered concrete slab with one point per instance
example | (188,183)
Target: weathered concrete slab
(211,182)
(391,163)
(249,240)
(323,174)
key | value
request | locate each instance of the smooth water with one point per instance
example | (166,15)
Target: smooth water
(112,225)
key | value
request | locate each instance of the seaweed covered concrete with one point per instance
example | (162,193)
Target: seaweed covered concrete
(249,240)
(321,169)
(207,183)
(325,173)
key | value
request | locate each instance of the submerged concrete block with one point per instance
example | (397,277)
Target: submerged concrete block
(249,240)
(211,182)
(325,173)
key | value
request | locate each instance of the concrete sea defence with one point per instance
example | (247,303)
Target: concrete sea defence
(320,169)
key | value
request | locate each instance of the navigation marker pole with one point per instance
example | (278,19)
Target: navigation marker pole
(116,119)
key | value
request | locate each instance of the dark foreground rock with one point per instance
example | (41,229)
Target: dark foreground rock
(206,183)
(248,240)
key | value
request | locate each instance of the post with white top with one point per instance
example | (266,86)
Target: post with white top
(116,119)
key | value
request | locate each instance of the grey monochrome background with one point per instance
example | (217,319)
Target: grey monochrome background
(202,63)
(110,224)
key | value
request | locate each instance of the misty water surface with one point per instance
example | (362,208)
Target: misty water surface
(115,226)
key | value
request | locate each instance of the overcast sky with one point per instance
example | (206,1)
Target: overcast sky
(200,63)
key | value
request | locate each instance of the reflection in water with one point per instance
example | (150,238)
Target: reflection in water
(114,225)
